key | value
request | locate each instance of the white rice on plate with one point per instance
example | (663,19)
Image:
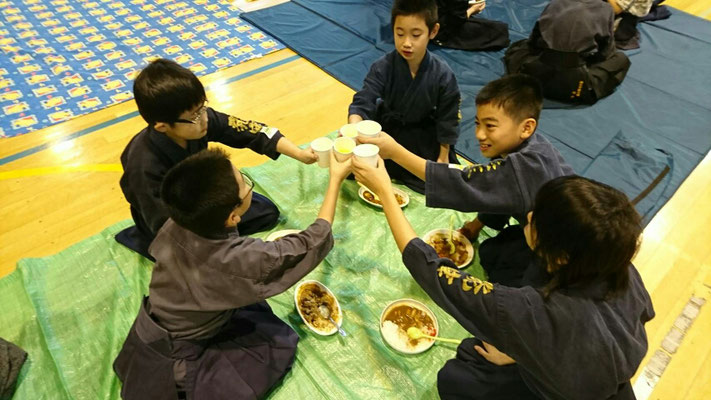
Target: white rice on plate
(398,339)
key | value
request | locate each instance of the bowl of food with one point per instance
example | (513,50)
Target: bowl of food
(369,197)
(463,250)
(398,317)
(308,297)
(280,234)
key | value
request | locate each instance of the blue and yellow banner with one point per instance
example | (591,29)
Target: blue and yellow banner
(64,58)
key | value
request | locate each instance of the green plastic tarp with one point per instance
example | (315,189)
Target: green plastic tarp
(72,311)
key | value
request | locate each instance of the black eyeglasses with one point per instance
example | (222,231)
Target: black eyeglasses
(196,118)
(249,184)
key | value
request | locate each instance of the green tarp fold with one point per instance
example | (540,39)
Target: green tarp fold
(72,311)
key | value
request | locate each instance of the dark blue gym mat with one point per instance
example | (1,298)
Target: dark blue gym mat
(658,119)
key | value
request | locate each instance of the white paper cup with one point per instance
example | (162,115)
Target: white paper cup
(343,148)
(322,147)
(348,130)
(369,129)
(367,153)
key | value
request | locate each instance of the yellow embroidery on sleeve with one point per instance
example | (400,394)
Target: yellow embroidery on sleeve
(450,273)
(254,127)
(236,123)
(242,125)
(470,282)
(481,168)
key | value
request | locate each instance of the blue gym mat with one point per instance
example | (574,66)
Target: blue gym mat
(658,120)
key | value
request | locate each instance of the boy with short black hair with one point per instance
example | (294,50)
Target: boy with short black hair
(521,162)
(172,100)
(412,94)
(578,334)
(205,331)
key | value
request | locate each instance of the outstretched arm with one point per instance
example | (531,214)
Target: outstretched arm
(286,147)
(338,172)
(378,180)
(390,149)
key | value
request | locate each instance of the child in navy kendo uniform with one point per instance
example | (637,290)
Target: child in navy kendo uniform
(412,93)
(521,161)
(579,334)
(205,330)
(171,99)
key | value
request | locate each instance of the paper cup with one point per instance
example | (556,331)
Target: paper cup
(322,147)
(343,148)
(369,129)
(348,130)
(367,153)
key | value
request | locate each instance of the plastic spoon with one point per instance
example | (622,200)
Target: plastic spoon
(375,196)
(416,333)
(452,248)
(326,313)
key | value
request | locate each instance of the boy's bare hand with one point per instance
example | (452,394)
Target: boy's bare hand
(339,170)
(376,179)
(307,156)
(475,9)
(471,229)
(387,145)
(493,355)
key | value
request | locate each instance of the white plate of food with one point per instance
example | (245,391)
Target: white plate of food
(308,297)
(398,317)
(280,234)
(368,196)
(439,240)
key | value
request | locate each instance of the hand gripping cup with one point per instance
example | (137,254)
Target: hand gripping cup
(368,129)
(367,153)
(343,148)
(322,147)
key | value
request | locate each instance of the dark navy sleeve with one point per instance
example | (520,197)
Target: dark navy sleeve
(471,301)
(140,183)
(269,268)
(239,133)
(491,188)
(514,320)
(149,202)
(447,113)
(452,11)
(546,337)
(222,274)
(364,101)
(293,256)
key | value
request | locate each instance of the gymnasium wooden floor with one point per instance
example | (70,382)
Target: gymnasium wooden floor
(69,190)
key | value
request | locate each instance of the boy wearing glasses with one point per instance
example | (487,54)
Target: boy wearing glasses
(205,331)
(172,101)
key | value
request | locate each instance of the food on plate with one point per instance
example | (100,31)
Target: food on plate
(311,296)
(441,244)
(398,319)
(371,198)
